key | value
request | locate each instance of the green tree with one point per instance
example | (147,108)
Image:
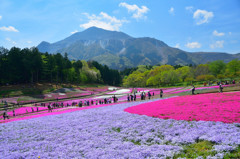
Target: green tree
(159,69)
(205,78)
(154,80)
(170,77)
(184,72)
(142,68)
(201,69)
(36,62)
(15,65)
(134,80)
(217,67)
(233,67)
(189,80)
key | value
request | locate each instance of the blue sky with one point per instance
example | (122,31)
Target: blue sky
(196,25)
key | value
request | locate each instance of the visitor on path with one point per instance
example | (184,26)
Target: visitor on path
(49,108)
(161,93)
(14,112)
(149,95)
(114,99)
(105,100)
(193,89)
(128,98)
(220,88)
(134,97)
(5,115)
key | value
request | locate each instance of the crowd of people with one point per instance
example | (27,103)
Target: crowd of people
(143,95)
(55,105)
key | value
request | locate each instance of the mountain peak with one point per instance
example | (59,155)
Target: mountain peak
(95,33)
(94,28)
(119,50)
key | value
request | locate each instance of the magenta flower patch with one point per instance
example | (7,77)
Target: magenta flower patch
(224,107)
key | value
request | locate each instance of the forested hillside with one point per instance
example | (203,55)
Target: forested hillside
(29,65)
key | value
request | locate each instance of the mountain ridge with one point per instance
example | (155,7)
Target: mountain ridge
(118,50)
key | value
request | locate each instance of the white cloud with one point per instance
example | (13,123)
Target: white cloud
(11,41)
(230,33)
(75,31)
(177,45)
(202,16)
(217,44)
(193,45)
(215,33)
(189,8)
(0,17)
(137,12)
(103,21)
(10,28)
(29,42)
(171,11)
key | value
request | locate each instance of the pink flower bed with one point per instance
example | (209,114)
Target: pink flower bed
(55,112)
(224,107)
(22,110)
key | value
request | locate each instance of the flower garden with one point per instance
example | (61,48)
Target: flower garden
(196,126)
(224,107)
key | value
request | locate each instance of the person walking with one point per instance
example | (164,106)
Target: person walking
(14,112)
(193,89)
(161,93)
(5,115)
(220,88)
(49,108)
(149,95)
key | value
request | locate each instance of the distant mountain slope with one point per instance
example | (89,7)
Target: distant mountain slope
(119,50)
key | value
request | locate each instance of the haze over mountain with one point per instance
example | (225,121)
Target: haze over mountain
(119,50)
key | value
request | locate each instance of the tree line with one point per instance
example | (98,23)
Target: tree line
(165,75)
(29,66)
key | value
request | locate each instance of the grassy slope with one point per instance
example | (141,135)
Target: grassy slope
(36,89)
